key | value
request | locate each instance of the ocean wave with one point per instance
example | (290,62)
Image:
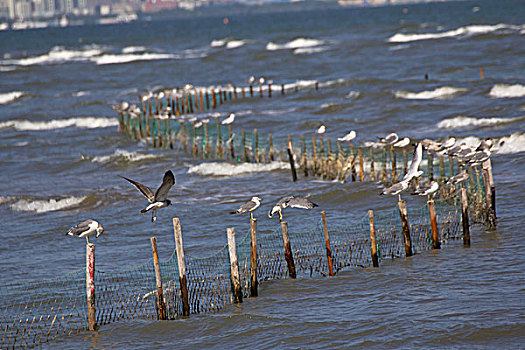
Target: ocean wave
(233,44)
(82,123)
(57,54)
(294,44)
(309,50)
(507,91)
(6,199)
(127,58)
(514,143)
(353,95)
(459,32)
(461,122)
(122,155)
(218,42)
(228,169)
(438,93)
(7,68)
(10,97)
(46,205)
(133,49)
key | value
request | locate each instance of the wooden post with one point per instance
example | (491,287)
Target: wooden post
(230,138)
(490,195)
(161,309)
(328,249)
(372,170)
(234,265)
(90,286)
(430,160)
(282,89)
(433,224)
(213,99)
(234,92)
(373,240)
(261,91)
(393,161)
(441,170)
(451,166)
(194,150)
(361,166)
(184,143)
(256,138)
(305,159)
(481,73)
(288,250)
(220,97)
(405,161)
(253,258)
(270,90)
(219,152)
(245,149)
(206,150)
(251,91)
(406,226)
(290,158)
(383,174)
(177,231)
(270,146)
(464,216)
(315,154)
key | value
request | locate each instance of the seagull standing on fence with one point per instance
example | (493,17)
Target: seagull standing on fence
(159,199)
(348,137)
(427,190)
(229,120)
(389,139)
(291,201)
(458,178)
(396,188)
(321,130)
(248,207)
(402,143)
(85,229)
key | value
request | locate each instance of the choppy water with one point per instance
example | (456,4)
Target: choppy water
(61,154)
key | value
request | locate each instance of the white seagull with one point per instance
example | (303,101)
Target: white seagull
(85,229)
(458,178)
(413,170)
(248,207)
(402,143)
(229,120)
(428,190)
(396,188)
(321,130)
(389,139)
(291,201)
(159,198)
(348,137)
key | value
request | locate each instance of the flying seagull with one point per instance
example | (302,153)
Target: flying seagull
(158,199)
(85,229)
(428,190)
(414,164)
(389,139)
(291,201)
(248,207)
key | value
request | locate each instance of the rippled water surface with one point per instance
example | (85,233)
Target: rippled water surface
(61,154)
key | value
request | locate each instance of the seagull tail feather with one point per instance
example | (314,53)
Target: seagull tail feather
(143,211)
(233,212)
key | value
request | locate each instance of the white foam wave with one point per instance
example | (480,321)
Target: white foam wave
(123,155)
(7,68)
(82,123)
(459,32)
(294,44)
(81,93)
(438,93)
(46,205)
(398,47)
(133,49)
(309,50)
(507,91)
(6,199)
(218,42)
(126,58)
(353,95)
(233,44)
(10,97)
(514,143)
(58,54)
(227,169)
(461,122)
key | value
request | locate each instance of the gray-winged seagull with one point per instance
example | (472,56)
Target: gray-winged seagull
(291,201)
(85,229)
(248,207)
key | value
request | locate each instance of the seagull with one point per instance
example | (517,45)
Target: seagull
(159,198)
(478,157)
(389,139)
(248,207)
(261,80)
(414,164)
(402,143)
(321,130)
(229,120)
(449,143)
(396,188)
(85,229)
(348,137)
(458,178)
(251,80)
(291,201)
(431,145)
(485,145)
(428,190)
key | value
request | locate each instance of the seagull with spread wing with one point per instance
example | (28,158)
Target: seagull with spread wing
(293,202)
(159,199)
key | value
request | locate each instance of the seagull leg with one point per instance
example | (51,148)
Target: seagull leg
(251,216)
(87,240)
(280,215)
(399,197)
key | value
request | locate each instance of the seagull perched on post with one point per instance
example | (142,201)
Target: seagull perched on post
(389,139)
(321,130)
(458,178)
(428,190)
(248,207)
(291,201)
(229,120)
(348,137)
(396,188)
(402,143)
(85,229)
(159,198)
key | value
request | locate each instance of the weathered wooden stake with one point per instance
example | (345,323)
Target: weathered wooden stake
(270,146)
(464,216)
(230,138)
(441,170)
(282,89)
(490,195)
(393,161)
(436,244)
(305,158)
(161,308)
(290,158)
(234,264)
(245,149)
(220,152)
(361,165)
(373,240)
(243,91)
(288,250)
(405,161)
(90,286)
(328,249)
(406,226)
(261,91)
(481,73)
(315,154)
(256,139)
(177,231)
(430,160)
(253,258)
(270,90)
(251,91)
(372,170)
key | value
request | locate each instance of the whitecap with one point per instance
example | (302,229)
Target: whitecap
(507,91)
(58,54)
(7,68)
(462,121)
(46,205)
(133,49)
(309,50)
(353,95)
(294,44)
(228,169)
(6,199)
(82,123)
(81,93)
(218,42)
(514,143)
(233,44)
(438,93)
(127,58)
(123,155)
(459,32)
(10,97)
